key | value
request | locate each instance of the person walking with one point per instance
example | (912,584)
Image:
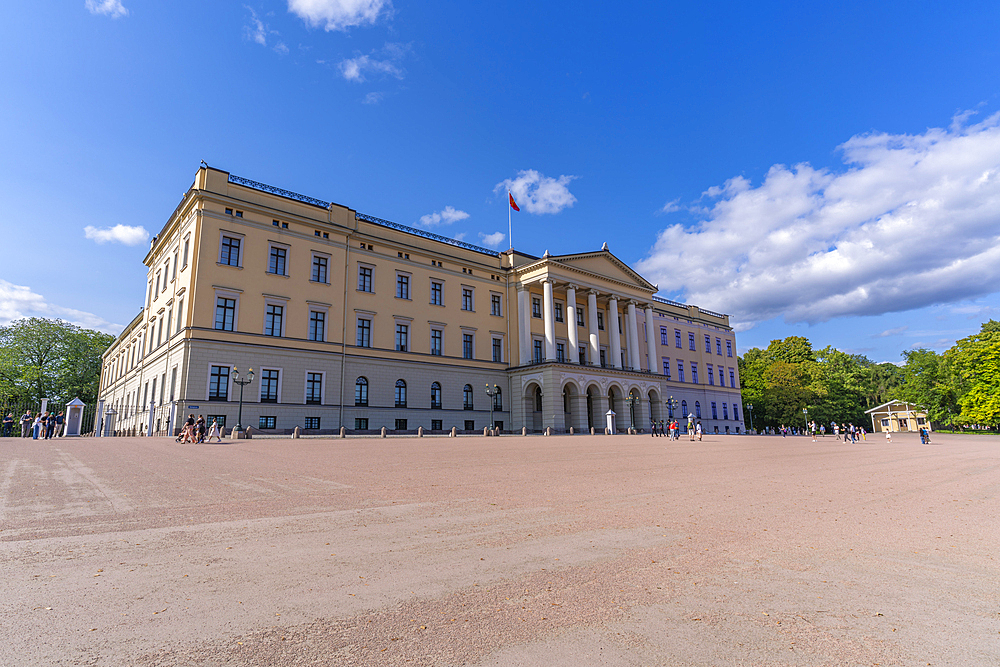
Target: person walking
(60,420)
(8,424)
(214,431)
(199,427)
(26,420)
(691,427)
(697,430)
(50,426)
(888,437)
(36,427)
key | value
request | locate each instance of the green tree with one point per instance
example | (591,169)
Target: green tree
(975,362)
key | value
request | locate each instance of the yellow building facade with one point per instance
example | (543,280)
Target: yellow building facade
(352,321)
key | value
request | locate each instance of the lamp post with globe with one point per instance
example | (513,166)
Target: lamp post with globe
(242,383)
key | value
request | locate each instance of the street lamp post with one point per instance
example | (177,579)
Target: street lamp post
(672,404)
(805,415)
(750,411)
(242,383)
(632,401)
(492,391)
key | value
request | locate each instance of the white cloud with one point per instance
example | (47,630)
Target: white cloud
(384,62)
(112,8)
(671,206)
(18,301)
(445,217)
(459,237)
(912,221)
(537,193)
(340,14)
(257,31)
(373,98)
(492,240)
(897,331)
(118,234)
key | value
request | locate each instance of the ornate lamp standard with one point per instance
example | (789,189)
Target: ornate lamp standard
(492,391)
(632,401)
(672,404)
(750,410)
(242,383)
(805,415)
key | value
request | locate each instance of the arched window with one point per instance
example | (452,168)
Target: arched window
(435,395)
(467,397)
(697,409)
(497,400)
(400,394)
(361,391)
(684,409)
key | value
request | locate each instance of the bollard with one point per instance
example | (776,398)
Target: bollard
(486,431)
(524,430)
(343,431)
(593,431)
(295,433)
(384,431)
(420,431)
(571,431)
(454,432)
(607,431)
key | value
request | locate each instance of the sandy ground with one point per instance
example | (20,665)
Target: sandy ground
(558,551)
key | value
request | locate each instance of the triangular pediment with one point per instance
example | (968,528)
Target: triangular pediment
(604,263)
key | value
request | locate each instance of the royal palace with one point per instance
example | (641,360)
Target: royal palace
(352,321)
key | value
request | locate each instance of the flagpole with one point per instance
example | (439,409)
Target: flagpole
(510,237)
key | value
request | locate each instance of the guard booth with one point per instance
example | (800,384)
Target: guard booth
(610,415)
(74,417)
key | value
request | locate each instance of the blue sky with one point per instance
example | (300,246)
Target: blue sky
(827,170)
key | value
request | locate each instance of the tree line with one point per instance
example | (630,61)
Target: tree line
(45,358)
(957,388)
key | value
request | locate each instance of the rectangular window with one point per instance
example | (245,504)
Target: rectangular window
(718,346)
(711,377)
(269,386)
(364,279)
(437,297)
(230,251)
(732,378)
(708,344)
(402,337)
(166,274)
(267,423)
(691,340)
(173,382)
(159,332)
(180,315)
(173,276)
(725,411)
(604,359)
(536,307)
(400,394)
(225,313)
(559,312)
(278,262)
(497,350)
(537,351)
(579,317)
(218,419)
(360,423)
(736,413)
(677,338)
(470,424)
(437,345)
(218,384)
(319,269)
(402,286)
(361,392)
(364,332)
(715,412)
(273,316)
(314,389)
(694,372)
(583,355)
(156,292)
(666,367)
(495,305)
(560,352)
(467,299)
(600,320)
(170,317)
(729,348)
(312,422)
(437,425)
(400,424)
(664,337)
(187,243)
(722,378)
(317,325)
(680,371)
(466,346)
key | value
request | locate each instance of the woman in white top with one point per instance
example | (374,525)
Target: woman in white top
(214,432)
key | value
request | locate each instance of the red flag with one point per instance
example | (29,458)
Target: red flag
(513,204)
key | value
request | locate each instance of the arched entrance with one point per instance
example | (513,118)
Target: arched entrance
(533,406)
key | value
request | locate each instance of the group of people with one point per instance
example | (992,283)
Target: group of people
(42,425)
(194,431)
(672,429)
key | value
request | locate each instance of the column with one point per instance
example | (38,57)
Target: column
(574,339)
(595,339)
(634,356)
(651,335)
(613,336)
(549,314)
(523,324)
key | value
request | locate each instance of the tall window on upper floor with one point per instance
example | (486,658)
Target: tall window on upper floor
(364,279)
(174,274)
(666,367)
(218,384)
(364,338)
(722,378)
(579,317)
(225,313)
(680,370)
(467,302)
(694,372)
(273,317)
(156,292)
(537,351)
(317,325)
(269,386)
(187,244)
(495,305)
(230,254)
(711,377)
(677,338)
(560,352)
(536,307)
(361,392)
(166,274)
(725,411)
(402,286)
(278,261)
(729,348)
(736,412)
(559,312)
(708,345)
(319,269)
(664,336)
(718,346)
(467,346)
(732,378)
(600,320)
(437,342)
(497,350)
(402,337)
(437,293)
(691,344)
